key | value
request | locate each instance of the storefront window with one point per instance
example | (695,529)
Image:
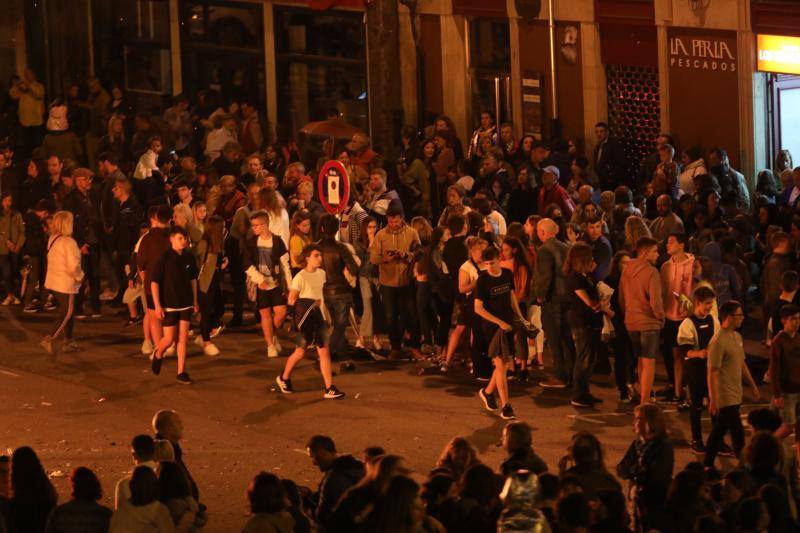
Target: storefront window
(131,41)
(320,67)
(222,50)
(490,68)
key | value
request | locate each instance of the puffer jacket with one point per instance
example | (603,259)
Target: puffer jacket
(64,273)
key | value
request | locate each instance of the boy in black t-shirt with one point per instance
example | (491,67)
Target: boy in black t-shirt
(497,306)
(174,289)
(789,295)
(694,334)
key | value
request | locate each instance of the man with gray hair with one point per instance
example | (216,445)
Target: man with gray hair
(550,291)
(361,154)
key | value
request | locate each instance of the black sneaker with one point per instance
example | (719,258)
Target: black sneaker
(726,451)
(285,385)
(582,401)
(488,400)
(96,314)
(81,316)
(698,448)
(31,309)
(155,365)
(594,399)
(666,395)
(184,379)
(684,406)
(333,393)
(507,412)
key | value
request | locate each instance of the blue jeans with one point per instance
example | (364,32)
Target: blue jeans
(339,306)
(559,339)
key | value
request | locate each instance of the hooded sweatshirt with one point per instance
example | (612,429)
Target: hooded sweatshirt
(640,296)
(727,284)
(676,277)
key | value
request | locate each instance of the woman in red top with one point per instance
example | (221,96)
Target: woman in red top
(514,257)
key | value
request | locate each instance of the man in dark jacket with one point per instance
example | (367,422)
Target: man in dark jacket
(609,159)
(337,290)
(84,204)
(124,224)
(340,473)
(31,191)
(518,443)
(551,293)
(35,253)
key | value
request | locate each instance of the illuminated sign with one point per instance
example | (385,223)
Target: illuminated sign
(691,52)
(777,53)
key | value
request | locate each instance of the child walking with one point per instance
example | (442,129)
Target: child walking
(312,322)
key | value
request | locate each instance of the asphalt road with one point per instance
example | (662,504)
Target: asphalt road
(83,408)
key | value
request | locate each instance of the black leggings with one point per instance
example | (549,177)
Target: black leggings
(694,374)
(211,308)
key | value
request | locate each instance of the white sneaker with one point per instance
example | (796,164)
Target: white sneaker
(147,347)
(8,300)
(17,301)
(272,352)
(199,340)
(376,343)
(360,344)
(210,350)
(277,344)
(170,352)
(216,331)
(107,294)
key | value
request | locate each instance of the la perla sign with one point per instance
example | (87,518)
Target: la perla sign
(695,53)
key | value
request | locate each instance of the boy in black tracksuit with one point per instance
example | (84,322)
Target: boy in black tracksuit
(694,334)
(174,291)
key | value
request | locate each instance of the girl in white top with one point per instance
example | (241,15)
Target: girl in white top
(467,279)
(313,322)
(278,216)
(63,279)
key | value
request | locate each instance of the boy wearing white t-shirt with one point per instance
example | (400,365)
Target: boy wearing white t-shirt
(312,322)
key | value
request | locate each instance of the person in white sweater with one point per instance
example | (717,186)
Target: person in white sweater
(63,279)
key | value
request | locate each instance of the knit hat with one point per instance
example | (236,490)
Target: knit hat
(57,117)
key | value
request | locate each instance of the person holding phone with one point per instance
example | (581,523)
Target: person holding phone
(677,283)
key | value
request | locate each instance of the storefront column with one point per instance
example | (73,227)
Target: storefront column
(663,74)
(175,46)
(595,92)
(747,128)
(408,68)
(20,44)
(456,85)
(270,70)
(516,70)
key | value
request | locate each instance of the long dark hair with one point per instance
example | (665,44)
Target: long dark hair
(214,234)
(519,254)
(395,512)
(29,482)
(363,240)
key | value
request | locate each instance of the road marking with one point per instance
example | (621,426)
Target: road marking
(7,373)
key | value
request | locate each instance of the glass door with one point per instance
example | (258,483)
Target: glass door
(490,69)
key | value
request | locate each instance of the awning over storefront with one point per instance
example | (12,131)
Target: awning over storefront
(775,18)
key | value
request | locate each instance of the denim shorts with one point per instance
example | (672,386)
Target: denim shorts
(318,335)
(646,344)
(789,410)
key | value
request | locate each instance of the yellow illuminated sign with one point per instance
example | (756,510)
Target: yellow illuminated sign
(776,53)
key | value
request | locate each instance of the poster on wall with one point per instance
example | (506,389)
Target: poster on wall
(532,94)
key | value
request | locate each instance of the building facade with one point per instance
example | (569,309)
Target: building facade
(645,66)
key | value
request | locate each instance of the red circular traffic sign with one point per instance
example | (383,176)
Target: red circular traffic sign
(333,187)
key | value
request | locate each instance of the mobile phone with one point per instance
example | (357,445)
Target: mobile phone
(677,294)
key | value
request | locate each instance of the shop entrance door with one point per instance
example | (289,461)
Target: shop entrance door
(785,110)
(491,92)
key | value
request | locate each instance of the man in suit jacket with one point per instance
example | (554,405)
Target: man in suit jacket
(609,159)
(551,293)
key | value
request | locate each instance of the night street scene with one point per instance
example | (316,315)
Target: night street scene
(399,266)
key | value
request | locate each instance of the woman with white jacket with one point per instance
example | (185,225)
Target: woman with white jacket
(64,276)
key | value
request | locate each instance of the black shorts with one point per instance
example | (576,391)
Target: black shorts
(148,298)
(172,318)
(500,343)
(271,298)
(466,312)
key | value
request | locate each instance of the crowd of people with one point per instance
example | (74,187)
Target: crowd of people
(180,215)
(379,492)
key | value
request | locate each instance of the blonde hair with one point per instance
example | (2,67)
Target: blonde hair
(305,185)
(635,229)
(62,223)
